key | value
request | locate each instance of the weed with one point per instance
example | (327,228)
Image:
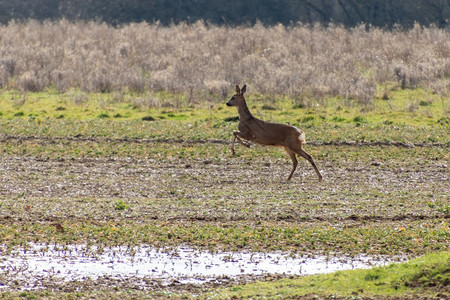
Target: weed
(358,119)
(425,103)
(148,118)
(442,208)
(103,116)
(231,119)
(307,119)
(120,205)
(299,106)
(338,119)
(268,107)
(444,121)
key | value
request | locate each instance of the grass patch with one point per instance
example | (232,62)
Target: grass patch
(120,205)
(426,275)
(103,116)
(403,108)
(148,118)
(308,239)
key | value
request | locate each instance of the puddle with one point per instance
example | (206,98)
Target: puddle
(187,265)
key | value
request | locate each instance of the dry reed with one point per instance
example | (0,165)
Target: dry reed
(298,61)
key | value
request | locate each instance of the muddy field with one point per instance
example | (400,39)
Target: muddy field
(383,200)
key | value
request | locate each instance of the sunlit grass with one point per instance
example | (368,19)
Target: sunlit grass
(402,107)
(425,275)
(405,117)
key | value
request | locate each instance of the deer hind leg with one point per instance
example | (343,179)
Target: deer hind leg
(294,161)
(308,157)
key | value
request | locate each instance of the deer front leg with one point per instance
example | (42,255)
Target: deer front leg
(236,136)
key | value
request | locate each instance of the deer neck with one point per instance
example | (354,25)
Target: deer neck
(244,112)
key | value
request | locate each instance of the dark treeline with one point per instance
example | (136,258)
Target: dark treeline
(379,13)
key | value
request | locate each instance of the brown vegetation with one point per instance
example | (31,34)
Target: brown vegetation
(298,61)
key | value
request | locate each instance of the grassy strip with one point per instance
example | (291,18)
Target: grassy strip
(70,149)
(405,117)
(221,130)
(393,238)
(428,275)
(409,107)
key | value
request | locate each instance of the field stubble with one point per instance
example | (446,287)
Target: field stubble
(103,183)
(230,203)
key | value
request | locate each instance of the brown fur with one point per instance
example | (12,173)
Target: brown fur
(267,133)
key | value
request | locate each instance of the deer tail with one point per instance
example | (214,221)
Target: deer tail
(302,138)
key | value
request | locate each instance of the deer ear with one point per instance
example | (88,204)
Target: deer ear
(244,88)
(238,90)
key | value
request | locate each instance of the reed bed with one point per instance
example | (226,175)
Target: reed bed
(302,62)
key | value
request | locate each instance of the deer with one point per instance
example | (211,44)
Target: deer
(267,133)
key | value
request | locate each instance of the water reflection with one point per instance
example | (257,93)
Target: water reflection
(77,262)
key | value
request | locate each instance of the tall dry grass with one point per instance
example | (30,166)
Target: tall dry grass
(302,62)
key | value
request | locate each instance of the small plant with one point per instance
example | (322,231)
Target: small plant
(231,119)
(358,119)
(120,205)
(299,106)
(268,107)
(372,276)
(444,208)
(442,121)
(425,103)
(338,119)
(103,116)
(148,118)
(307,119)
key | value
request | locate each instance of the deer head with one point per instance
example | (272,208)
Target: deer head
(238,97)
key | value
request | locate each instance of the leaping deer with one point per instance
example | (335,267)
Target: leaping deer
(267,133)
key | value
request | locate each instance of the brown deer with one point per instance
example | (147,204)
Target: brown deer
(267,133)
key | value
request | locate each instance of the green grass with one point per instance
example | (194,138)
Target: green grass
(373,239)
(101,115)
(404,107)
(426,275)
